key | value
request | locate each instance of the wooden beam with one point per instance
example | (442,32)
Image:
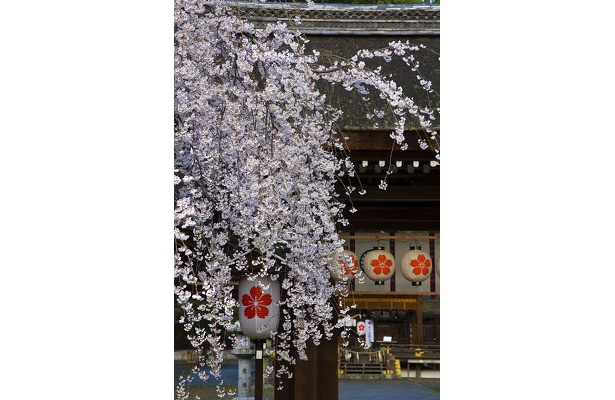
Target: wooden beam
(382,304)
(394,225)
(381,141)
(401,301)
(394,193)
(389,294)
(376,213)
(387,237)
(394,218)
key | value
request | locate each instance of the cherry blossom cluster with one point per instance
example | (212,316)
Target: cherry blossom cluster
(257,158)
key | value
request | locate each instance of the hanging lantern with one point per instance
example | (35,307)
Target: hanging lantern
(416,265)
(341,270)
(259,306)
(378,264)
(438,265)
(361,328)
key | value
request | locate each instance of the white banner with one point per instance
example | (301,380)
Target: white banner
(369,332)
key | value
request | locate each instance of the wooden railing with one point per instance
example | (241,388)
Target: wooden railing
(415,351)
(366,361)
(387,359)
(417,358)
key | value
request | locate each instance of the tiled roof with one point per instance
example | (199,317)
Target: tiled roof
(342,19)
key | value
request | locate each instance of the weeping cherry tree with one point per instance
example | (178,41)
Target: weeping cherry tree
(257,157)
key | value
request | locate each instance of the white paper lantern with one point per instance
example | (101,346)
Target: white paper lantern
(378,264)
(259,307)
(361,328)
(342,271)
(416,265)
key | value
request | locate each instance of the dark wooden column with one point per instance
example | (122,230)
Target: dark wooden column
(432,254)
(306,375)
(327,369)
(392,251)
(315,378)
(407,326)
(419,322)
(258,370)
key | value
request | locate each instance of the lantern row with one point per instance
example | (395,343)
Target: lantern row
(379,265)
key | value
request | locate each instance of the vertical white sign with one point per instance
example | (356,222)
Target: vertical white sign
(369,332)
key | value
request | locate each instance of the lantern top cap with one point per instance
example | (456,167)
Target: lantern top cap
(415,245)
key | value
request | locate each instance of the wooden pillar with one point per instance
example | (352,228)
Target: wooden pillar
(408,326)
(413,328)
(258,370)
(306,377)
(392,251)
(419,321)
(432,254)
(287,392)
(327,369)
(315,378)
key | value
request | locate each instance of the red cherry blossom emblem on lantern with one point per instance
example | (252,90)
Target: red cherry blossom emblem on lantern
(256,303)
(361,327)
(421,265)
(382,265)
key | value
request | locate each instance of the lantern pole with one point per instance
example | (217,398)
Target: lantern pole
(258,370)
